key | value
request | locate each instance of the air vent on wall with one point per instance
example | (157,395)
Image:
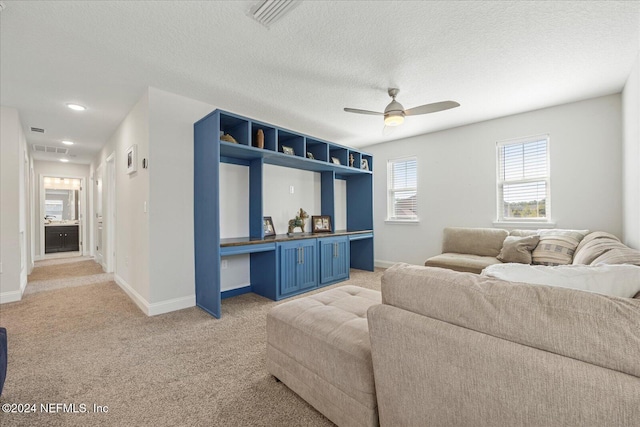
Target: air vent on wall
(267,12)
(39,130)
(48,149)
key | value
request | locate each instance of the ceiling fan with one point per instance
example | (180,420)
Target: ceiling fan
(395,112)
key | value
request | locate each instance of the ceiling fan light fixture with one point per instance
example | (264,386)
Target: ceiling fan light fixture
(393,118)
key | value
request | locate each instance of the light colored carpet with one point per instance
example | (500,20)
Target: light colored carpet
(65,273)
(92,345)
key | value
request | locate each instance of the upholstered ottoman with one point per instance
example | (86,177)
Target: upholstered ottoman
(319,347)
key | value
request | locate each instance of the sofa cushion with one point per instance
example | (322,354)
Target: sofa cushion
(523,233)
(619,255)
(518,249)
(597,329)
(593,245)
(461,262)
(474,241)
(557,246)
(616,280)
(319,347)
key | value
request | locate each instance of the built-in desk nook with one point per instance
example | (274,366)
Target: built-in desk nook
(280,266)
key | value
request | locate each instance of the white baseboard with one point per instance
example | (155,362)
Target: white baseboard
(153,309)
(383,264)
(11,296)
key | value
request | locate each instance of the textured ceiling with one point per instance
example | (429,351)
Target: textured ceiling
(494,58)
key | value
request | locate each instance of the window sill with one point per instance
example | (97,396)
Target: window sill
(525,224)
(402,221)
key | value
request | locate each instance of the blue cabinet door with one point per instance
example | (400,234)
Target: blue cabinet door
(298,266)
(334,259)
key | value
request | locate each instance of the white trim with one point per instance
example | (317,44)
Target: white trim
(384,264)
(520,224)
(170,305)
(142,303)
(153,309)
(14,296)
(403,221)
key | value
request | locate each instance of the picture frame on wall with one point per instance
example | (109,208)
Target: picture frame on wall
(267,225)
(321,224)
(132,159)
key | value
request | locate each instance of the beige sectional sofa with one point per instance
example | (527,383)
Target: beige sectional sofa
(443,348)
(474,249)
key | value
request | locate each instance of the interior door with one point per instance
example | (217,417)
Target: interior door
(99,221)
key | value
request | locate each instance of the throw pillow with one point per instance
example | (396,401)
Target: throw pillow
(518,249)
(557,247)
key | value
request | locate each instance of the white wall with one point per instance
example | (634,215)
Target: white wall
(59,169)
(132,225)
(457,175)
(631,156)
(171,257)
(14,207)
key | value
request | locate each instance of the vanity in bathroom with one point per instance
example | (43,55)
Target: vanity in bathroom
(61,238)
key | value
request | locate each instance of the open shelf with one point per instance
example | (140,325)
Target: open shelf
(291,140)
(318,149)
(269,136)
(338,155)
(235,126)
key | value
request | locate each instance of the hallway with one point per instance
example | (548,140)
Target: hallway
(59,273)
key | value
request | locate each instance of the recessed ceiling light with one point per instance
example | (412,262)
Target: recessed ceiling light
(76,107)
(64,160)
(67,142)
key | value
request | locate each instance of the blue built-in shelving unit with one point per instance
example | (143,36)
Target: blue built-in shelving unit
(268,275)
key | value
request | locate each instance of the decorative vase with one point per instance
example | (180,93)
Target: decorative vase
(260,139)
(351,159)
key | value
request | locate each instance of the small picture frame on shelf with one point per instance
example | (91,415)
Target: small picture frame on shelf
(288,150)
(364,164)
(132,159)
(310,155)
(321,224)
(267,225)
(335,161)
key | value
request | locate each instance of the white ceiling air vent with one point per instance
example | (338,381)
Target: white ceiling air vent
(39,130)
(267,12)
(48,149)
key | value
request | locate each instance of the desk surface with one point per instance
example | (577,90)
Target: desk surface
(241,241)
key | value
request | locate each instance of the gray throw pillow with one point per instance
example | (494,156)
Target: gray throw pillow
(518,249)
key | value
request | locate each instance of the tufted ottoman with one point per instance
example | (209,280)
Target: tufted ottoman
(319,347)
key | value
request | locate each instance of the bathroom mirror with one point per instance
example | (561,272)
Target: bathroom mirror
(61,205)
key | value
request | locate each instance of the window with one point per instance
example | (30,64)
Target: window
(523,179)
(402,188)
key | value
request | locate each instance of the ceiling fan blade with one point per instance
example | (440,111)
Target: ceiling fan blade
(431,108)
(355,110)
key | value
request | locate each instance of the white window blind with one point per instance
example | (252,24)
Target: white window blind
(523,179)
(402,197)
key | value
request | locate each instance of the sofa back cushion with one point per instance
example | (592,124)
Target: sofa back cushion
(593,245)
(597,329)
(474,241)
(557,246)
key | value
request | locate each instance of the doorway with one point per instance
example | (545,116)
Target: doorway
(105,208)
(62,214)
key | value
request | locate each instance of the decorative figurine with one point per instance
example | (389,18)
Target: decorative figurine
(260,138)
(351,160)
(228,138)
(298,221)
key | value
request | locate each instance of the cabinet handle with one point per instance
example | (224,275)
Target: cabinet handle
(335,250)
(298,256)
(65,234)
(302,255)
(60,234)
